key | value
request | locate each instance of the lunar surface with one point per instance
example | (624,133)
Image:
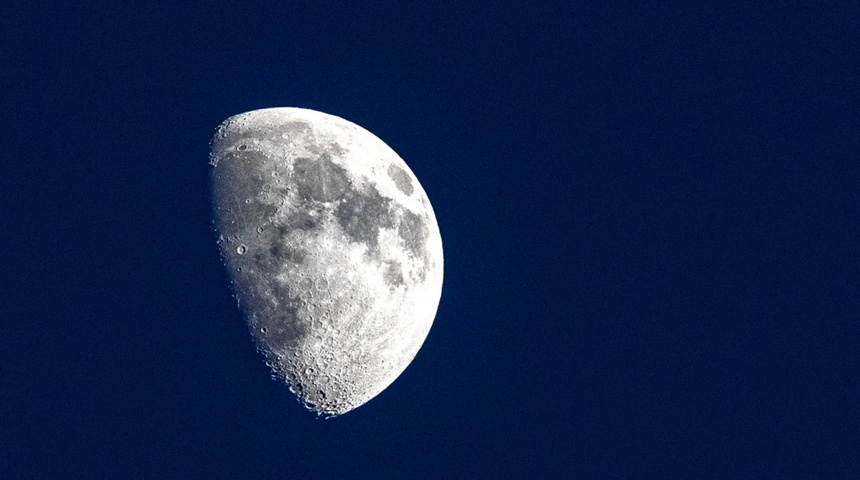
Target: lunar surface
(333,249)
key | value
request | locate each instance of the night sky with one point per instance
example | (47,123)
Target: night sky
(649,213)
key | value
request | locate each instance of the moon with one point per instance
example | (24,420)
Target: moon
(333,249)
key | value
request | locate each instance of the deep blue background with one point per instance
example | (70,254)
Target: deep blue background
(649,212)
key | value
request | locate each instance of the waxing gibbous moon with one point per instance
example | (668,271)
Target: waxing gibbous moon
(333,249)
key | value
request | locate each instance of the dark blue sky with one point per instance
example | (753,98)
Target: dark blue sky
(649,213)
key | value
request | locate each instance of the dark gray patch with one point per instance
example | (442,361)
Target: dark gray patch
(280,252)
(361,215)
(413,231)
(320,179)
(336,149)
(401,179)
(303,220)
(277,312)
(282,192)
(262,261)
(393,275)
(283,254)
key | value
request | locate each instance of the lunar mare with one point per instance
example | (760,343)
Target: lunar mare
(333,248)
